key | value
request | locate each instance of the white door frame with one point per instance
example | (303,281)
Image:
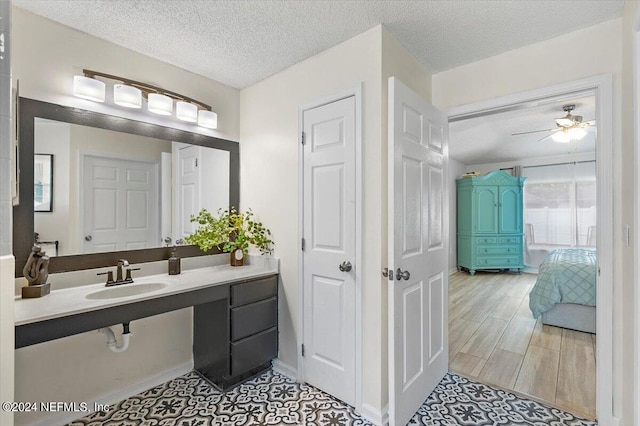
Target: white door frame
(602,87)
(636,210)
(355,91)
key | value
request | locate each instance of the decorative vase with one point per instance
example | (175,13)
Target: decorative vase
(237,257)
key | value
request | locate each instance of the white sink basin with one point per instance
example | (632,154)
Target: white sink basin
(125,290)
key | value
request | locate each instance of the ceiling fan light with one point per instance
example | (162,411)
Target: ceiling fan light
(160,104)
(561,137)
(564,121)
(186,111)
(88,88)
(127,96)
(577,133)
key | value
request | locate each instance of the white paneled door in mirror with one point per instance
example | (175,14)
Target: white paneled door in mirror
(418,250)
(328,258)
(120,204)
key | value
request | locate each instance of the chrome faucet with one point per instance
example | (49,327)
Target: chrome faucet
(122,263)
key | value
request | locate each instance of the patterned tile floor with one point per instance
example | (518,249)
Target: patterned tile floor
(273,399)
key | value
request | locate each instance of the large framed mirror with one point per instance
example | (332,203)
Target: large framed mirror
(123,188)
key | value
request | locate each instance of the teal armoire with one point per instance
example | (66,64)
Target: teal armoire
(490,231)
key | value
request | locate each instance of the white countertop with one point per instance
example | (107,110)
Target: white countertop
(69,301)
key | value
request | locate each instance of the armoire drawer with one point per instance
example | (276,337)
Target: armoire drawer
(254,351)
(242,294)
(509,240)
(502,261)
(253,318)
(508,250)
(486,240)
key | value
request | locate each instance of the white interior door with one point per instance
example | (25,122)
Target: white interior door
(329,233)
(187,186)
(418,252)
(120,206)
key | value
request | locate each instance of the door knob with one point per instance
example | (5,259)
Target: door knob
(387,273)
(402,275)
(88,238)
(345,266)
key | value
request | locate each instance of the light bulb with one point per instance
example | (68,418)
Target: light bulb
(160,104)
(88,88)
(208,119)
(127,96)
(561,136)
(186,111)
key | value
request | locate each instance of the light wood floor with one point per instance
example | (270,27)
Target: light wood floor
(494,338)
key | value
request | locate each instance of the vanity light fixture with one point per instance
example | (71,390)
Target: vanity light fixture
(127,96)
(208,119)
(88,88)
(129,93)
(159,104)
(186,111)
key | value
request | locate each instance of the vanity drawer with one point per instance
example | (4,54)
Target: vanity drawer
(509,240)
(509,250)
(502,261)
(486,240)
(254,351)
(242,294)
(253,318)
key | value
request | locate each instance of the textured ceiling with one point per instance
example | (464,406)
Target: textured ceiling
(241,42)
(489,139)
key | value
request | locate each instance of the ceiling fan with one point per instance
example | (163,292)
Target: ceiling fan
(569,128)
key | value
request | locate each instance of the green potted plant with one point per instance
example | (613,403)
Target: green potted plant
(232,232)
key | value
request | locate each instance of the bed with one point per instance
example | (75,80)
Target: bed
(565,291)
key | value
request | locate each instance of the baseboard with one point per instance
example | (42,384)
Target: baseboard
(63,418)
(284,369)
(374,415)
(453,270)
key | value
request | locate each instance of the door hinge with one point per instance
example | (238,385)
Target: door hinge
(303,349)
(302,244)
(302,138)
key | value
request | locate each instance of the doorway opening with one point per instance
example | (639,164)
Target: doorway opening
(494,337)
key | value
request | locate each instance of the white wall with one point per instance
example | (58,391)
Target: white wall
(630,358)
(79,368)
(269,177)
(587,52)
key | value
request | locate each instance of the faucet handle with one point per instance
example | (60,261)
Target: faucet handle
(128,277)
(109,275)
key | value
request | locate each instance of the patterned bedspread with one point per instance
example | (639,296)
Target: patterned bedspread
(565,276)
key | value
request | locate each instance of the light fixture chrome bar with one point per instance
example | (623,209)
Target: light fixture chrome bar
(146,89)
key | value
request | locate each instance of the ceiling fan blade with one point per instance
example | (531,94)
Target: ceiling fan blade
(532,131)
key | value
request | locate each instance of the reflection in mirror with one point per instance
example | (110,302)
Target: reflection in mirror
(118,191)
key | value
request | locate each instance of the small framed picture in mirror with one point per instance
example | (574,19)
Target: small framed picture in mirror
(43,183)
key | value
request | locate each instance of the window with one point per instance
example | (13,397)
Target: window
(560,204)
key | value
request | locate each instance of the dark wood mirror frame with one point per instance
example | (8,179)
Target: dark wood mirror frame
(23,219)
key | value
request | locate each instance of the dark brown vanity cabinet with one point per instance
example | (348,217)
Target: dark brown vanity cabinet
(237,338)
